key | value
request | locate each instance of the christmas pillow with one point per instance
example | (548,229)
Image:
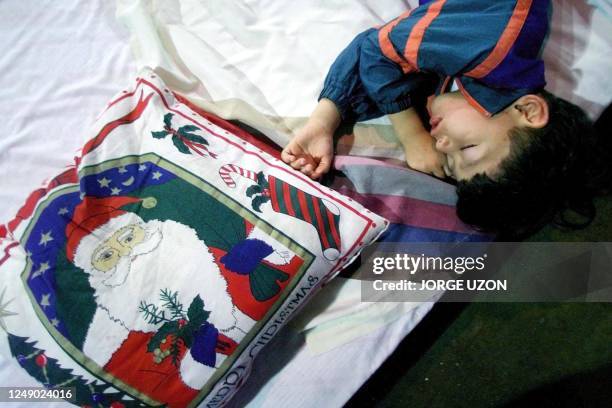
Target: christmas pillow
(154,270)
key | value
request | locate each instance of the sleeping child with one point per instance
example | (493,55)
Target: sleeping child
(516,151)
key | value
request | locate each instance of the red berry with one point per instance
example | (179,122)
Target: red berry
(182,322)
(41,360)
(117,404)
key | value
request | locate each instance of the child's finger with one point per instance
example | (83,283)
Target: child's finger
(322,168)
(287,156)
(307,170)
(298,164)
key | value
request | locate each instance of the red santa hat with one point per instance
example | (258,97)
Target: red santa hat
(96,219)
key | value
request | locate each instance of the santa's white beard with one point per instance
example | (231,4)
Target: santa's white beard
(180,262)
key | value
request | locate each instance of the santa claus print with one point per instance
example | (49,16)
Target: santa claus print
(152,279)
(160,277)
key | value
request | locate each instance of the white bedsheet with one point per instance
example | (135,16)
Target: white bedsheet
(61,61)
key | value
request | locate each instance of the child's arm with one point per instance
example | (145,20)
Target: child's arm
(311,150)
(362,84)
(417,142)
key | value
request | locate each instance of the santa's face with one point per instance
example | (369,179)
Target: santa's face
(111,260)
(120,244)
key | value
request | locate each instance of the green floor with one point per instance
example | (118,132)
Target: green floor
(505,354)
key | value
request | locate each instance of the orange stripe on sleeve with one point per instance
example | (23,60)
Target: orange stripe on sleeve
(387,47)
(471,100)
(411,52)
(445,84)
(506,40)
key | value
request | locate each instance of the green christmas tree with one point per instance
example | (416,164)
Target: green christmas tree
(47,371)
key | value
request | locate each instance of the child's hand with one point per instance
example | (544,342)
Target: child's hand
(422,156)
(311,150)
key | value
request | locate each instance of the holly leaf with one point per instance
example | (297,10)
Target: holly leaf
(261,180)
(168,119)
(188,128)
(186,334)
(180,145)
(254,189)
(258,201)
(195,308)
(193,138)
(196,316)
(196,313)
(160,135)
(163,332)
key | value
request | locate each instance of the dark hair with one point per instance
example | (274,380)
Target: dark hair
(551,175)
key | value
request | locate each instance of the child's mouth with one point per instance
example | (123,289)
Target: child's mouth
(434,122)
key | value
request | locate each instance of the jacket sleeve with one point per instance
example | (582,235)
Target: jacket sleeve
(364,83)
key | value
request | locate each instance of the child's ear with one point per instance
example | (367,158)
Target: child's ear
(530,111)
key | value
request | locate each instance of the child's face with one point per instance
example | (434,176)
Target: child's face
(472,142)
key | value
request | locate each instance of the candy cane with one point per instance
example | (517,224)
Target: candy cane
(197,146)
(226,174)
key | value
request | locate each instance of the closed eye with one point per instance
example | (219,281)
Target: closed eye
(468,146)
(471,154)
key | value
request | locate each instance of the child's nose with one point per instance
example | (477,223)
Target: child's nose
(442,144)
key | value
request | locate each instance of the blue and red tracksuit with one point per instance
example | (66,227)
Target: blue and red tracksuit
(490,48)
